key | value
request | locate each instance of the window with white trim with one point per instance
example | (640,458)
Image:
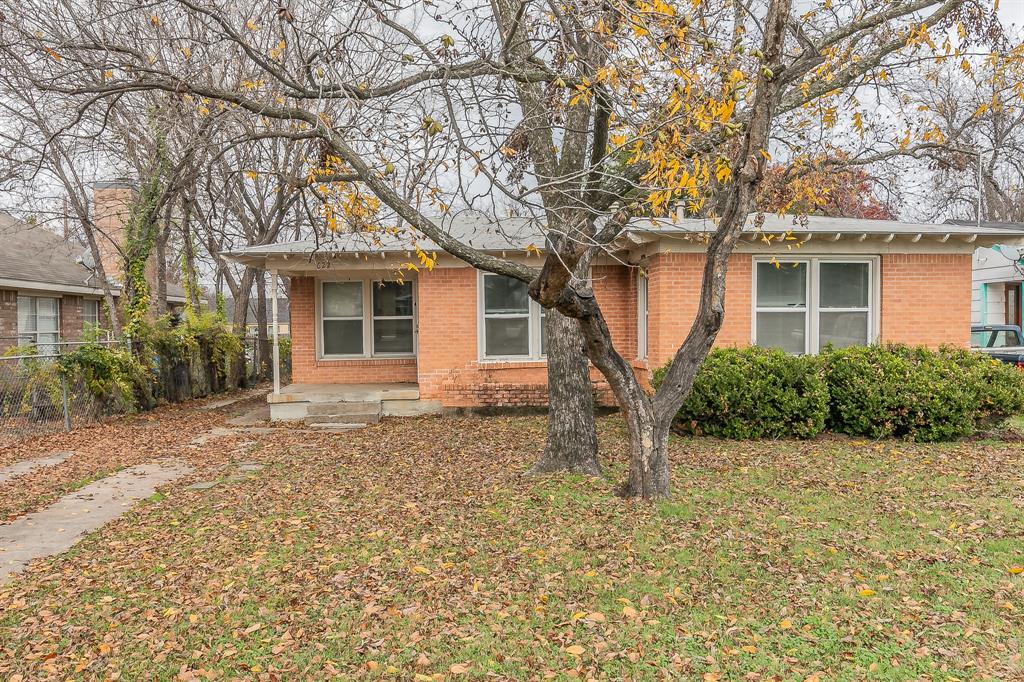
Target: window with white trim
(366,318)
(90,313)
(39,322)
(513,325)
(801,306)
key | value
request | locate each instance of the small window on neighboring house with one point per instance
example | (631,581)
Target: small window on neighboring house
(90,313)
(803,306)
(39,323)
(513,324)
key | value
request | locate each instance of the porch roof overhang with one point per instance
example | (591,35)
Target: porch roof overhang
(823,228)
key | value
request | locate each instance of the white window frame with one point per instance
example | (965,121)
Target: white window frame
(34,335)
(95,322)
(535,326)
(374,318)
(367,319)
(812,308)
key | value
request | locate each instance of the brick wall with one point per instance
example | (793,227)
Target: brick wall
(307,369)
(8,319)
(448,369)
(71,321)
(926,298)
(673,291)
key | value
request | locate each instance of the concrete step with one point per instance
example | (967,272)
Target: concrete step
(339,409)
(365,418)
(335,426)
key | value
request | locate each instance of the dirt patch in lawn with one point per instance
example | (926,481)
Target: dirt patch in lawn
(414,549)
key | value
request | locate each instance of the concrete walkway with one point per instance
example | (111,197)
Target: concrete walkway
(58,527)
(28,465)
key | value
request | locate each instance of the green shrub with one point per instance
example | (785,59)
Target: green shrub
(113,375)
(755,393)
(890,391)
(899,391)
(1000,386)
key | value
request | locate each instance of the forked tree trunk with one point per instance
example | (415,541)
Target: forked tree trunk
(648,460)
(572,433)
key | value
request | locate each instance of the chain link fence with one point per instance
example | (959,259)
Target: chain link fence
(260,366)
(37,398)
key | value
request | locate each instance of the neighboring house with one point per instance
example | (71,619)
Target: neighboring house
(465,338)
(250,316)
(47,294)
(998,292)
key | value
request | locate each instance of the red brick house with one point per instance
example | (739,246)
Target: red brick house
(47,294)
(458,338)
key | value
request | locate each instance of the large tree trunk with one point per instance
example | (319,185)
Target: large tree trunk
(572,434)
(188,246)
(262,340)
(161,264)
(648,446)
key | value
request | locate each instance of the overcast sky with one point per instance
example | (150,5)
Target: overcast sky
(1012,10)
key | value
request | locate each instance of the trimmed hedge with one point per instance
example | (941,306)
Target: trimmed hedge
(755,393)
(870,391)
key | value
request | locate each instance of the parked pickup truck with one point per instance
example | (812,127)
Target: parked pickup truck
(1003,342)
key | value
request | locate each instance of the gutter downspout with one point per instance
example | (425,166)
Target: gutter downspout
(276,346)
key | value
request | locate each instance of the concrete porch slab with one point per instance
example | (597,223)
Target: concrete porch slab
(334,393)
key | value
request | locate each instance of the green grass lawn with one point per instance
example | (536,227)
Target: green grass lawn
(415,550)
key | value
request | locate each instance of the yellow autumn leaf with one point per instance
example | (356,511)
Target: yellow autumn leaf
(421,570)
(104,649)
(252,25)
(1016,570)
(749,649)
(785,624)
(629,612)
(867,592)
(574,650)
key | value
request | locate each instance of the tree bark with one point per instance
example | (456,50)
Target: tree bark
(572,433)
(188,246)
(161,262)
(262,340)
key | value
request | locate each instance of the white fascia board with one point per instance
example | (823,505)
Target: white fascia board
(50,287)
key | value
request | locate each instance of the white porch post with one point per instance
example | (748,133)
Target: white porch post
(273,315)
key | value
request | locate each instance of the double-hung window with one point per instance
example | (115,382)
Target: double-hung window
(365,318)
(392,318)
(90,313)
(39,322)
(513,324)
(801,306)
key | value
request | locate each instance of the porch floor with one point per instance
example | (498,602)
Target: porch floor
(344,393)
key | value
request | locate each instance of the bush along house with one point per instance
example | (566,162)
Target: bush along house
(453,338)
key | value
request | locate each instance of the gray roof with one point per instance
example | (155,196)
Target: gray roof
(828,225)
(35,255)
(40,257)
(472,229)
(521,233)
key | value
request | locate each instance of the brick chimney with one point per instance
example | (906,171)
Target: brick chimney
(112,205)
